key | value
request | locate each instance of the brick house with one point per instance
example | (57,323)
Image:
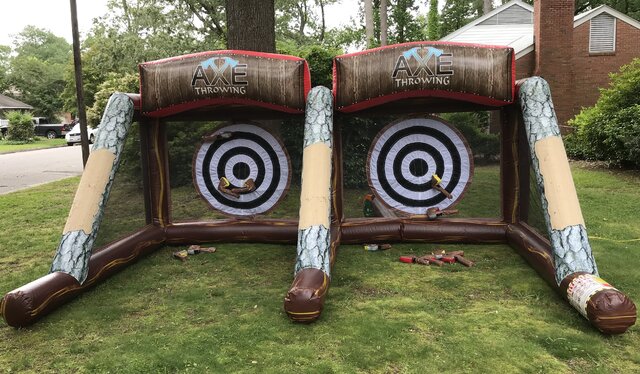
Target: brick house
(575,54)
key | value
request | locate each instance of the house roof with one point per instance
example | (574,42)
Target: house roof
(584,17)
(480,31)
(8,103)
(518,33)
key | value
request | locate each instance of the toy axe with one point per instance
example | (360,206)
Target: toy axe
(433,213)
(435,183)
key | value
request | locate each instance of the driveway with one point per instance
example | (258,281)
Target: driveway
(27,169)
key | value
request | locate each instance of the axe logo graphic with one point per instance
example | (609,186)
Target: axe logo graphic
(220,75)
(422,65)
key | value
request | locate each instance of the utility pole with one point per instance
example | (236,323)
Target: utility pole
(77,64)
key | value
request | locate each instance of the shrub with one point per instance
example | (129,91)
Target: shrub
(20,127)
(610,130)
(472,125)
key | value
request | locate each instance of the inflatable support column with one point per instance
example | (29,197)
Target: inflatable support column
(608,309)
(305,299)
(74,267)
(88,205)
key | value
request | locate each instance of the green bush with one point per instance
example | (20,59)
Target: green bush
(610,130)
(20,127)
(473,125)
(113,83)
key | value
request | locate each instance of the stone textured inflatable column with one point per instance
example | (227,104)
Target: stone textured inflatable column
(305,299)
(93,191)
(575,268)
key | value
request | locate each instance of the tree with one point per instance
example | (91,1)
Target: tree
(323,27)
(405,25)
(487,6)
(433,21)
(368,22)
(456,14)
(135,31)
(610,130)
(251,25)
(384,28)
(628,7)
(5,52)
(211,13)
(37,69)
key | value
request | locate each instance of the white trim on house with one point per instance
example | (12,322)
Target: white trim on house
(522,41)
(586,16)
(487,16)
(526,51)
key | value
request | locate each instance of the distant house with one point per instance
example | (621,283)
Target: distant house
(8,104)
(575,54)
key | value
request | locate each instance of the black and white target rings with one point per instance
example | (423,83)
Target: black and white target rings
(406,154)
(242,152)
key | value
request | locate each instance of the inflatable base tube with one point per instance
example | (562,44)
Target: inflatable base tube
(606,308)
(380,230)
(260,231)
(305,300)
(25,305)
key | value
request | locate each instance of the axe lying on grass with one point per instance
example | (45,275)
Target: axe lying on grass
(433,213)
(438,258)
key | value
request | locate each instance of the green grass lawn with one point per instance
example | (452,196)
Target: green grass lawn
(222,312)
(7,146)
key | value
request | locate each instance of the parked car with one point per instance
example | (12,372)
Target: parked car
(73,136)
(4,126)
(43,127)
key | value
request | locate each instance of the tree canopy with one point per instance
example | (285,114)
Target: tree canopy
(36,71)
(38,66)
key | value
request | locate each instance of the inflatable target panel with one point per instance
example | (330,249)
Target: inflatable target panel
(236,154)
(407,153)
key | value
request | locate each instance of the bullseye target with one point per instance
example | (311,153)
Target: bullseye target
(236,154)
(406,154)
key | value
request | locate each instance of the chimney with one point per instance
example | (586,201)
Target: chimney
(553,33)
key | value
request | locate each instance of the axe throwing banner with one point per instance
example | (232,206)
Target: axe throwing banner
(240,152)
(406,154)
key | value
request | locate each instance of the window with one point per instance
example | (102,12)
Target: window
(602,34)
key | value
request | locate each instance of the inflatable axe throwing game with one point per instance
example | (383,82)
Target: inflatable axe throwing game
(242,170)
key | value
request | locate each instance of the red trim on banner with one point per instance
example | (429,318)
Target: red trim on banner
(177,108)
(469,97)
(513,76)
(183,107)
(140,85)
(307,80)
(421,43)
(226,51)
(334,82)
(136,98)
(478,99)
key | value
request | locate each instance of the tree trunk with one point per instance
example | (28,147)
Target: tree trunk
(125,9)
(383,22)
(324,26)
(303,14)
(368,21)
(487,6)
(251,25)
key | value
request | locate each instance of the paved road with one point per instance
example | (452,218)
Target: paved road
(27,169)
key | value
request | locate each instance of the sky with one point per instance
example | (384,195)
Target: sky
(55,16)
